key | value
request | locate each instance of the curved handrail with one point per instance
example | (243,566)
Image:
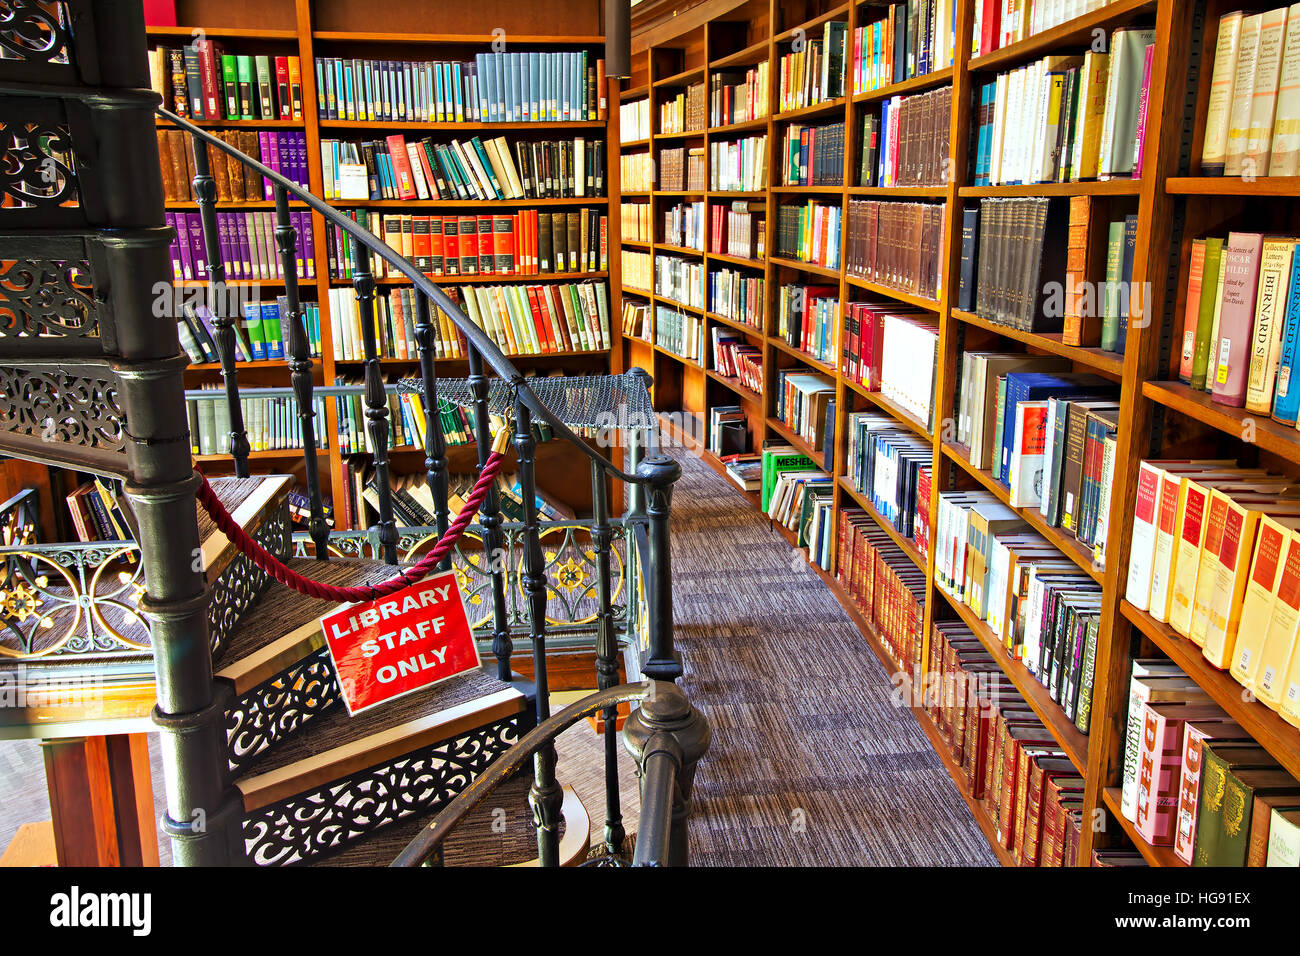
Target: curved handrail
(476,336)
(427,841)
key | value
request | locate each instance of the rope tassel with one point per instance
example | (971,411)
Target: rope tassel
(278,570)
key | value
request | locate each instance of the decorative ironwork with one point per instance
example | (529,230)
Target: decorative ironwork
(328,818)
(35,32)
(36,163)
(47,297)
(58,406)
(239,585)
(277,709)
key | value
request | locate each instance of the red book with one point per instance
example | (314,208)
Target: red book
(208,76)
(486,256)
(541,322)
(435,246)
(990,21)
(401,166)
(425,168)
(421,245)
(503,245)
(554,292)
(283,97)
(160,13)
(450,246)
(468,245)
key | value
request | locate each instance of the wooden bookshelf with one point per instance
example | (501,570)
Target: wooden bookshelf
(667,48)
(311,28)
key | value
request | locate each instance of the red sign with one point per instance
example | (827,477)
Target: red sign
(387,648)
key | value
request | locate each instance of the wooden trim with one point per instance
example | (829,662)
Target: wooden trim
(218,550)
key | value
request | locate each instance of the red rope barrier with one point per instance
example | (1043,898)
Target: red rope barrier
(289,578)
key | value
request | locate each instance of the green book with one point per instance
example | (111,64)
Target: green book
(1218,760)
(1114,274)
(1210,288)
(776,460)
(1240,790)
(999,424)
(230,84)
(244,75)
(265,87)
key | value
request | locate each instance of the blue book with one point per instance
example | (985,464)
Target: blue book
(457,72)
(480,75)
(439,113)
(512,89)
(1286,403)
(1032,386)
(253,322)
(271,330)
(534,81)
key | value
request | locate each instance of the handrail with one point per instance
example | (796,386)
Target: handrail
(429,840)
(476,336)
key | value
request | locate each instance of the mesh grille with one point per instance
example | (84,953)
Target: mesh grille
(580,401)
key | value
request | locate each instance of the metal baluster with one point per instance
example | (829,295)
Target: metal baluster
(376,400)
(637,441)
(545,795)
(602,535)
(435,445)
(493,541)
(659,473)
(300,369)
(205,194)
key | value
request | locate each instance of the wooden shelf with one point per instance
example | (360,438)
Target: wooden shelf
(738,260)
(917,300)
(743,126)
(1066,543)
(898,192)
(466,203)
(906,87)
(1266,187)
(1155,855)
(891,407)
(1109,187)
(683,134)
(802,356)
(736,385)
(793,437)
(808,26)
(1080,30)
(490,278)
(459,39)
(433,126)
(1272,733)
(809,112)
(684,78)
(804,267)
(1112,363)
(749,56)
(1275,437)
(236,123)
(232,33)
(735,324)
(907,545)
(681,250)
(812,190)
(1035,694)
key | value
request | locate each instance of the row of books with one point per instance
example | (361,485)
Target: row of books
(810,233)
(680,280)
(680,333)
(684,112)
(201,80)
(863,340)
(527,242)
(908,145)
(1252,119)
(271,422)
(407,419)
(97,514)
(812,155)
(808,317)
(498,87)
(1241,327)
(1195,780)
(1097,248)
(911,39)
(283,151)
(891,467)
(737,296)
(1043,610)
(1086,116)
(885,586)
(475,168)
(999,23)
(636,172)
(813,71)
(395,318)
(737,166)
(1214,554)
(681,168)
(263,336)
(634,121)
(1010,762)
(802,503)
(246,244)
(735,357)
(909,355)
(637,270)
(897,244)
(738,229)
(636,222)
(683,225)
(736,97)
(636,319)
(801,400)
(728,431)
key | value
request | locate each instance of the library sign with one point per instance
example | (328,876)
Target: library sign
(386,648)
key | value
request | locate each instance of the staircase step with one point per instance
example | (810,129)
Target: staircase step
(250,501)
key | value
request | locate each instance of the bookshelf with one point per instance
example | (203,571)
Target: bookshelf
(1173,204)
(310,29)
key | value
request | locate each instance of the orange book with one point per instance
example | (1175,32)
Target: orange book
(401,166)
(295,87)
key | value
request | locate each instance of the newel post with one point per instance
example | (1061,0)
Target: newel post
(658,474)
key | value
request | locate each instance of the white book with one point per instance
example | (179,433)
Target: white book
(1268,67)
(1243,88)
(1142,542)
(1284,159)
(1227,48)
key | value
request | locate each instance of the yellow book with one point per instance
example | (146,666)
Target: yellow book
(1092,111)
(1241,524)
(1216,515)
(1271,545)
(1270,319)
(1269,673)
(518,340)
(1290,705)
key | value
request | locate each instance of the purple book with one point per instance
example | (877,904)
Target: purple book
(264,152)
(1231,356)
(199,253)
(223,238)
(309,245)
(300,141)
(273,141)
(175,248)
(300,240)
(241,231)
(183,244)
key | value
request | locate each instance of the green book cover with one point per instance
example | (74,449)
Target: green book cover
(1114,273)
(778,460)
(1217,762)
(230,84)
(265,86)
(813,495)
(1205,317)
(244,74)
(256,330)
(999,424)
(1240,789)
(1084,709)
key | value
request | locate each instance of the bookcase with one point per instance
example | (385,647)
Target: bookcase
(407,30)
(1171,204)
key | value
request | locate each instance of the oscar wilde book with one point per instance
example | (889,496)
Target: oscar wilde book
(1231,355)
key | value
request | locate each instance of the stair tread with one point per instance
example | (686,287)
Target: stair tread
(250,501)
(281,610)
(230,492)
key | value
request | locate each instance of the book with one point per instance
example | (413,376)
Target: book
(1226,52)
(1229,357)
